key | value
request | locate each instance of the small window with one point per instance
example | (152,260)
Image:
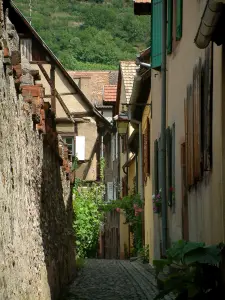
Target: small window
(69,140)
(26,48)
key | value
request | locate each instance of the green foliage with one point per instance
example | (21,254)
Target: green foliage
(131,206)
(190,271)
(143,254)
(93,34)
(88,218)
(80,262)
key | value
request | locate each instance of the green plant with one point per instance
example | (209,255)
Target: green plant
(190,271)
(87,216)
(143,254)
(80,262)
(131,206)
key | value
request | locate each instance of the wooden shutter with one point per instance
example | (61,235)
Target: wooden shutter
(169,164)
(190,138)
(186,136)
(197,120)
(207,110)
(156,34)
(156,181)
(179,19)
(169,26)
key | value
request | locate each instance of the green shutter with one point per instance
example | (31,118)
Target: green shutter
(156,173)
(159,164)
(169,164)
(156,36)
(169,26)
(173,164)
(179,19)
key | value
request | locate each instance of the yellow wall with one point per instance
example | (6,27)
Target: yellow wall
(148,208)
(206,201)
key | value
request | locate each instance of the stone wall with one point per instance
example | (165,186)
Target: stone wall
(36,240)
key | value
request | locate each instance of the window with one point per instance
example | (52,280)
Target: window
(26,48)
(169,26)
(124,143)
(179,19)
(198,121)
(110,188)
(69,140)
(174,28)
(156,34)
(170,162)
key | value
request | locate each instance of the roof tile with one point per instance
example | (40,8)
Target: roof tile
(128,70)
(109,93)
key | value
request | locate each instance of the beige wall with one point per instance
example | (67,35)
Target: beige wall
(73,102)
(205,202)
(124,228)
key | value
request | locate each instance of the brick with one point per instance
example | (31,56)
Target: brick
(6,52)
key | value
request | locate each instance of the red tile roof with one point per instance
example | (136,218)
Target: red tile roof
(109,93)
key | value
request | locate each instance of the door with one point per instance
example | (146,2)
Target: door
(185,222)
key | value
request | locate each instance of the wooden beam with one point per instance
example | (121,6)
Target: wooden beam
(61,94)
(56,93)
(52,77)
(36,62)
(82,114)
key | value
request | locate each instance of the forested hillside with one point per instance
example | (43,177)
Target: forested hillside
(93,34)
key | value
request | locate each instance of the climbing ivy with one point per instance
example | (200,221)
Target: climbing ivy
(131,206)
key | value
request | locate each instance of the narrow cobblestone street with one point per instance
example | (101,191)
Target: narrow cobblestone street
(113,280)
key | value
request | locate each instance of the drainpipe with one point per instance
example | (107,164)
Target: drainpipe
(163,128)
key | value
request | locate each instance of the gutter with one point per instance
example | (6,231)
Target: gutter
(208,23)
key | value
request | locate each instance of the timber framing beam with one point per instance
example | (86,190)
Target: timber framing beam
(56,94)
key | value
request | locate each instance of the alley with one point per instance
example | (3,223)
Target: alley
(113,280)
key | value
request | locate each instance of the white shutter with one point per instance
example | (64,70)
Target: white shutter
(80,147)
(109,191)
(26,48)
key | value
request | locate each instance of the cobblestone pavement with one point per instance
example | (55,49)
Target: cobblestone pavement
(113,280)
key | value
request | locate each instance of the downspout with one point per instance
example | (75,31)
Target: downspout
(163,127)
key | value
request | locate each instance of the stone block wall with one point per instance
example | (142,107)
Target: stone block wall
(37,256)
